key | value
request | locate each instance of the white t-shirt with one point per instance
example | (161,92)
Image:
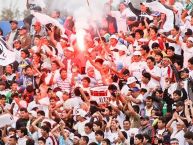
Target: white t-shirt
(188,53)
(156,71)
(177,47)
(136,69)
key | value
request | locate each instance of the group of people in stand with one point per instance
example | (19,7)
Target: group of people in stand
(131,85)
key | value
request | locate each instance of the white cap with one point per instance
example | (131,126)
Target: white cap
(137,53)
(33,113)
(131,80)
(81,112)
(70,49)
(122,47)
(190,39)
(59,94)
(113,37)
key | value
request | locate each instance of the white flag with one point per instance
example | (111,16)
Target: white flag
(6,56)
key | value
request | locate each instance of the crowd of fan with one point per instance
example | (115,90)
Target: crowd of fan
(131,87)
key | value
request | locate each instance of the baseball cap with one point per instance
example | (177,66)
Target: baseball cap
(23,27)
(81,112)
(137,53)
(122,48)
(13,21)
(113,37)
(156,14)
(190,39)
(131,80)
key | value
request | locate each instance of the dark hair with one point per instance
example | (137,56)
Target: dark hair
(149,98)
(89,125)
(2,96)
(107,141)
(14,137)
(12,130)
(42,139)
(23,130)
(45,128)
(112,87)
(87,79)
(98,123)
(176,27)
(155,44)
(139,136)
(154,28)
(170,48)
(148,138)
(151,58)
(191,60)
(162,119)
(23,109)
(37,36)
(188,135)
(124,134)
(99,132)
(147,75)
(159,53)
(63,69)
(136,108)
(141,33)
(30,142)
(85,138)
(146,48)
(30,89)
(178,92)
(41,112)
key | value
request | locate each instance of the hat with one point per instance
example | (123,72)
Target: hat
(37,23)
(188,32)
(156,14)
(81,112)
(144,117)
(137,53)
(13,21)
(135,89)
(70,49)
(33,113)
(190,39)
(122,48)
(113,37)
(131,80)
(23,27)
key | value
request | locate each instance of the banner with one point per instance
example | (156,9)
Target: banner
(7,56)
